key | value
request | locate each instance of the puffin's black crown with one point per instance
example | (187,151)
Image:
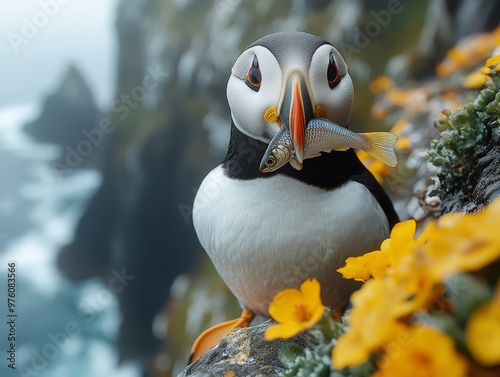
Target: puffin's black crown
(290,43)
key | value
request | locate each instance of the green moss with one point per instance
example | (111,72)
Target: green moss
(493,108)
(315,363)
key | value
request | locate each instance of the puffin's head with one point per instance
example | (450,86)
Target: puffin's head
(285,79)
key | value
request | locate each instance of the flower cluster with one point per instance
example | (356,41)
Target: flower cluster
(477,79)
(407,276)
(429,304)
(469,52)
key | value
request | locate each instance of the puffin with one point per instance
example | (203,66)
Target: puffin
(265,232)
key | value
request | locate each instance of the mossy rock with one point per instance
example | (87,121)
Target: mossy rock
(245,352)
(468,152)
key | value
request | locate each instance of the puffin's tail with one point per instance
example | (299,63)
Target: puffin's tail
(381,146)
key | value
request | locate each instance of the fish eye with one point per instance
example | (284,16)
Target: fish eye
(332,73)
(254,77)
(270,161)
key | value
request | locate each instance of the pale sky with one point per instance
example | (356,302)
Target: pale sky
(64,31)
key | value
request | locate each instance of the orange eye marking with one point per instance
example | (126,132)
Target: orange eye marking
(254,77)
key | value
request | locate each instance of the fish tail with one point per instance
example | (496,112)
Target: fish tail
(381,146)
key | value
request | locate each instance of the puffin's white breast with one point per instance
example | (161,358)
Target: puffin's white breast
(268,234)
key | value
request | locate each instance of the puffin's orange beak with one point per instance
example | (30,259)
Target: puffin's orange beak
(296,111)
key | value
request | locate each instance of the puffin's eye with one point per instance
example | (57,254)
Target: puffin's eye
(332,73)
(254,77)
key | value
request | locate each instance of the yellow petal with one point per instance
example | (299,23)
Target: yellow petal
(483,334)
(444,68)
(311,289)
(385,245)
(380,83)
(475,80)
(363,267)
(283,331)
(458,55)
(283,306)
(312,304)
(349,351)
(399,126)
(462,243)
(424,351)
(373,321)
(485,70)
(495,35)
(404,230)
(403,143)
(493,61)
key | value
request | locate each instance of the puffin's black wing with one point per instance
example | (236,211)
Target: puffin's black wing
(366,178)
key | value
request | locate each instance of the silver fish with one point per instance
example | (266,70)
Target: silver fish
(323,135)
(278,153)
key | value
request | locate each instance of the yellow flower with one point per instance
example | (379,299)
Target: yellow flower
(403,143)
(479,78)
(381,83)
(461,243)
(373,320)
(398,129)
(476,79)
(295,310)
(362,268)
(378,263)
(401,259)
(483,333)
(412,100)
(426,353)
(402,284)
(401,242)
(399,97)
(414,277)
(493,61)
(469,52)
(376,167)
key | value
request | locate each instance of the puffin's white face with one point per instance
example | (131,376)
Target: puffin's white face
(265,94)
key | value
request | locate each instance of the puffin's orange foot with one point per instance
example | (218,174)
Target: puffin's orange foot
(212,336)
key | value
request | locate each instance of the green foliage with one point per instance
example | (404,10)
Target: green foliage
(472,293)
(314,363)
